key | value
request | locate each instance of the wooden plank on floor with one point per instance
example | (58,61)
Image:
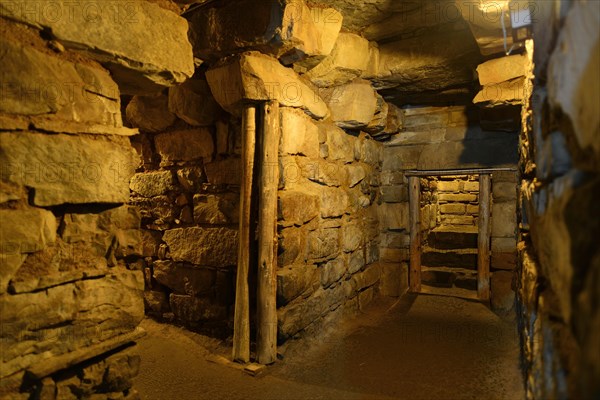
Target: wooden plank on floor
(414,185)
(483,245)
(266,346)
(241,331)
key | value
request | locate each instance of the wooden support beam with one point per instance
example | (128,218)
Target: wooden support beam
(483,241)
(241,330)
(414,189)
(267,236)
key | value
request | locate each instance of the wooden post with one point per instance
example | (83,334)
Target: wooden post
(241,330)
(267,237)
(414,188)
(483,241)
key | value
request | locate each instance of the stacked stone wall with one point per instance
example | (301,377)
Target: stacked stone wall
(70,293)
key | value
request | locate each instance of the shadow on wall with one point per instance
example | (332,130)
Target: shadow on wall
(491,137)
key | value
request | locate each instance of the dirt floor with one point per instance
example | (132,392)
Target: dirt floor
(421,347)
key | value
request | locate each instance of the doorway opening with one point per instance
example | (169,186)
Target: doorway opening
(450,229)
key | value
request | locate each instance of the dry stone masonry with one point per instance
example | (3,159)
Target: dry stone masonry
(70,294)
(122,153)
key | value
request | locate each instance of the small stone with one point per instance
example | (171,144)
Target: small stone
(294,281)
(216,209)
(190,178)
(332,272)
(152,184)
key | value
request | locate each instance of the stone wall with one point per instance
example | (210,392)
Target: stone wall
(70,298)
(450,138)
(328,222)
(458,201)
(558,253)
(330,162)
(187,192)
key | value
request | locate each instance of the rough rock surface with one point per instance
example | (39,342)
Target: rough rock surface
(72,310)
(193,102)
(116,34)
(150,113)
(352,105)
(433,65)
(255,76)
(184,145)
(38,84)
(299,133)
(348,60)
(502,69)
(68,169)
(288,30)
(215,247)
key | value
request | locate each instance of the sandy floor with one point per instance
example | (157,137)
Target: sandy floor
(425,347)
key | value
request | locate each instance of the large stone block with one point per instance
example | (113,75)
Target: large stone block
(393,216)
(68,169)
(504,244)
(297,207)
(352,105)
(41,85)
(299,134)
(185,145)
(508,93)
(289,30)
(504,219)
(401,158)
(433,65)
(502,69)
(328,22)
(215,247)
(193,102)
(348,60)
(255,76)
(118,35)
(150,113)
(295,281)
(87,312)
(573,81)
